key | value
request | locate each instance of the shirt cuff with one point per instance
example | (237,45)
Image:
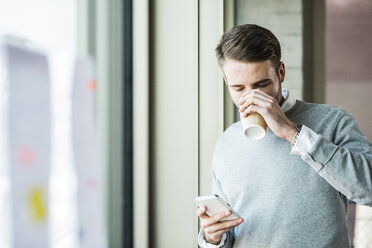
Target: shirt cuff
(203,243)
(306,140)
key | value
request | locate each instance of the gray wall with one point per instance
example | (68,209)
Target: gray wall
(284,19)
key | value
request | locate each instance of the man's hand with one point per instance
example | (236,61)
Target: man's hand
(213,230)
(267,106)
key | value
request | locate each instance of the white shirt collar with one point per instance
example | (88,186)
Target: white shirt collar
(289,101)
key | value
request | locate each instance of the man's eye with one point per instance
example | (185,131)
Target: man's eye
(263,85)
(238,89)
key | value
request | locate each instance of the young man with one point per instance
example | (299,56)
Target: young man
(291,187)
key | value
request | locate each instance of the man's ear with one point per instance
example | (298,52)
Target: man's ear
(281,72)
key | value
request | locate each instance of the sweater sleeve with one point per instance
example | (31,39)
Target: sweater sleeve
(225,241)
(346,163)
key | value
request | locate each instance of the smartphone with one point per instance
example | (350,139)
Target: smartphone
(216,204)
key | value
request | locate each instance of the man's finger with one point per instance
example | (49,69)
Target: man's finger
(201,211)
(221,232)
(255,93)
(265,95)
(249,92)
(253,109)
(256,101)
(223,225)
(216,217)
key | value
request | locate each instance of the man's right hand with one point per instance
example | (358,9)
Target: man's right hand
(213,229)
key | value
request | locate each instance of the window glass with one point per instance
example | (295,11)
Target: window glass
(51,25)
(349,84)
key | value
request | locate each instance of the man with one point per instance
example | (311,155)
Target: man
(291,187)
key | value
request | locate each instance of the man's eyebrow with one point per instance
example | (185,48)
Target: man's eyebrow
(258,82)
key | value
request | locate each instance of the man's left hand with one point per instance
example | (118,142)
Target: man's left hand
(267,106)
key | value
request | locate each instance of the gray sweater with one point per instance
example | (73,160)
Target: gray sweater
(289,200)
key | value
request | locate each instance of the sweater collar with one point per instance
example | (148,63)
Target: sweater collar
(289,101)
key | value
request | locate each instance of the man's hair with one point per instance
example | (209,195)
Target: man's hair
(249,43)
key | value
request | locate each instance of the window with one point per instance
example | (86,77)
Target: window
(349,85)
(52,26)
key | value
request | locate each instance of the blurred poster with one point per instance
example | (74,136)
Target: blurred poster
(5,215)
(28,142)
(87,156)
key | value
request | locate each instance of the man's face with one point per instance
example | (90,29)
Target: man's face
(242,77)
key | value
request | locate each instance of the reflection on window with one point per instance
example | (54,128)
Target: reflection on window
(349,84)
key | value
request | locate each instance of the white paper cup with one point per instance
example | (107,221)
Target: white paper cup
(254,126)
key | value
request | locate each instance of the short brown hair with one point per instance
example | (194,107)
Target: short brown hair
(249,43)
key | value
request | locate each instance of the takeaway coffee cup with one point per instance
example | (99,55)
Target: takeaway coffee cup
(254,126)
